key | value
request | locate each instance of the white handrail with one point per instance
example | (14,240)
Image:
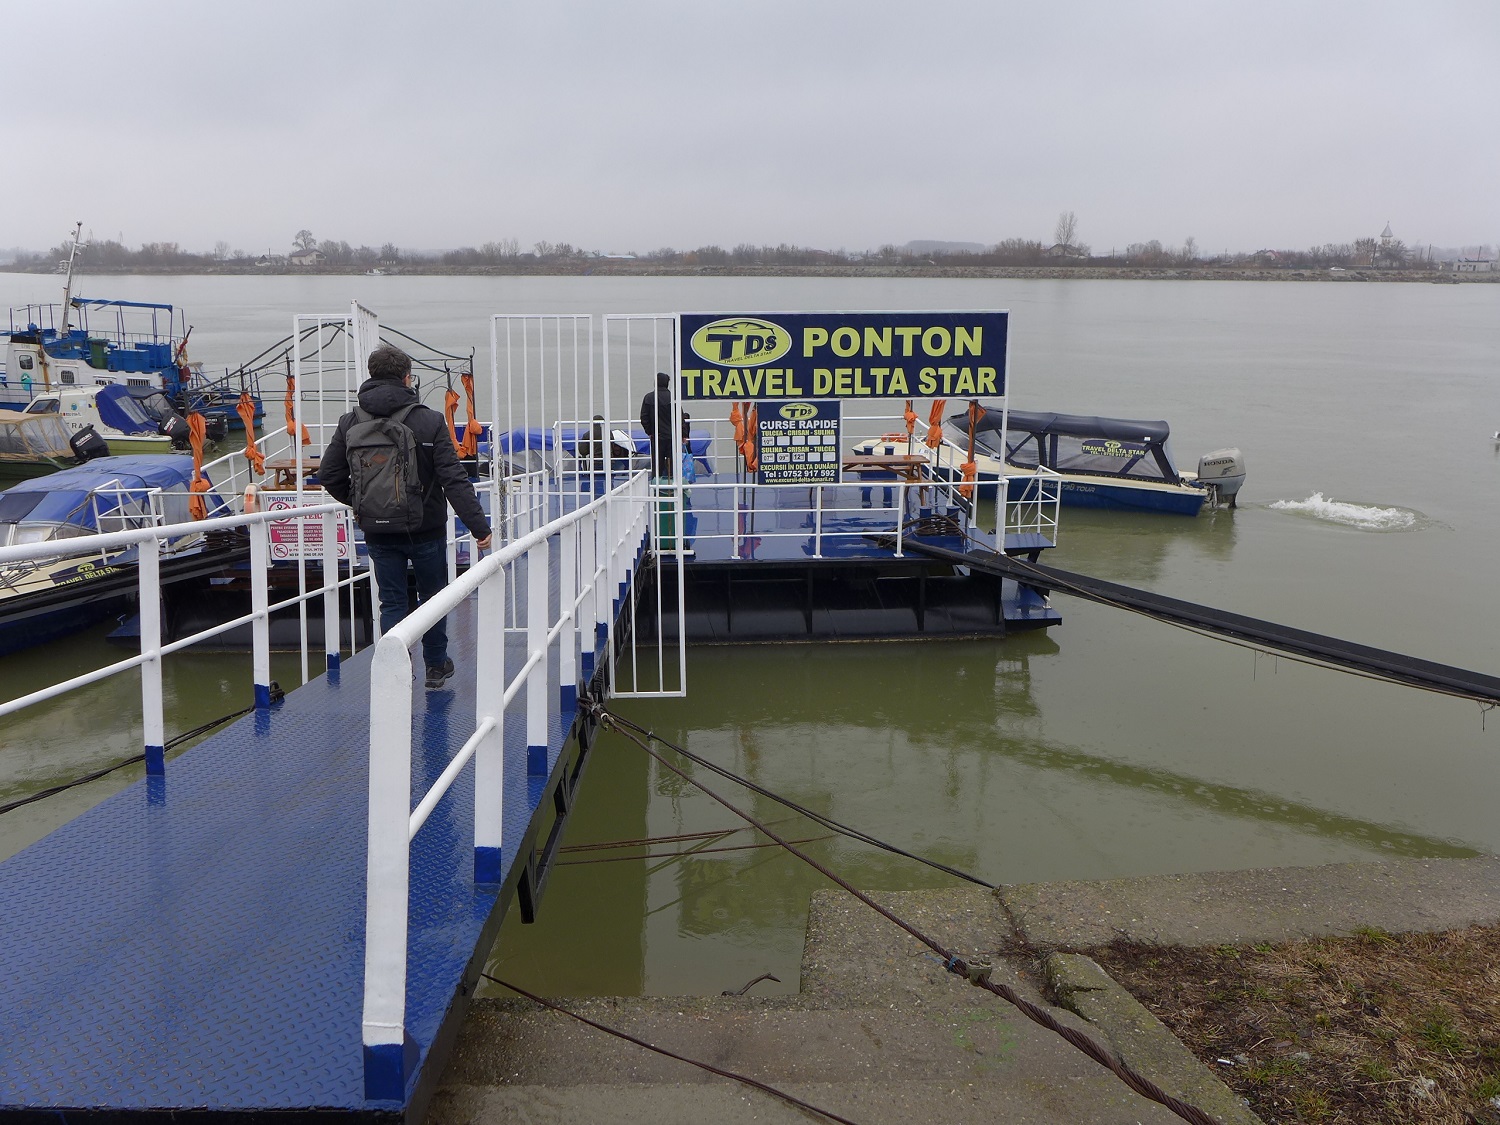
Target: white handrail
(393,823)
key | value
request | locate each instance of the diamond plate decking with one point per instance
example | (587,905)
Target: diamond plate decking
(197,942)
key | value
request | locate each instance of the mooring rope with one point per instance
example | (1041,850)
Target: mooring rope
(977,975)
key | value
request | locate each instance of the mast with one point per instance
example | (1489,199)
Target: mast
(68,284)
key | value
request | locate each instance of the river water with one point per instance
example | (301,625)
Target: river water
(1111,745)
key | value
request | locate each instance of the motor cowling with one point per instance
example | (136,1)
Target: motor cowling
(1222,472)
(175,427)
(86,445)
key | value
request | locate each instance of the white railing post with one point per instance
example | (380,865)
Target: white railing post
(152,724)
(567,610)
(332,629)
(489,757)
(818,523)
(538,697)
(451,544)
(387,874)
(593,611)
(260,628)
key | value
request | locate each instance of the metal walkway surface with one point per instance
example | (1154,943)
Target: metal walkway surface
(196,941)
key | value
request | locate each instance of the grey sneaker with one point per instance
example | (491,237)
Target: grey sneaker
(437,674)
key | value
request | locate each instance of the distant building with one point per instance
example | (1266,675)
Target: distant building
(310,257)
(1473,265)
(1064,251)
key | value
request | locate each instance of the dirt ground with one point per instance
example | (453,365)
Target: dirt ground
(1369,1028)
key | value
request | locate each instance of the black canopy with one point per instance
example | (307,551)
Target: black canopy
(1073,425)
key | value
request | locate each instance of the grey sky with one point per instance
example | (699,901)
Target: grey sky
(625,126)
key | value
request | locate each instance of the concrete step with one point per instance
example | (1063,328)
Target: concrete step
(880,1032)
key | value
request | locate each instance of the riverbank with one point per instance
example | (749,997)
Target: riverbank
(881,1032)
(612,267)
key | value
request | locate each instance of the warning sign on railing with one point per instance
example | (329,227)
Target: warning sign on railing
(285,541)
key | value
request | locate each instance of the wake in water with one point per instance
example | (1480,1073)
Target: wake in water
(1366,517)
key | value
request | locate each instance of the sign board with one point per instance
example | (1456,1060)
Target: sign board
(285,543)
(797,442)
(730,356)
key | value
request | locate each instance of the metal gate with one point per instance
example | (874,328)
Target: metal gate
(566,431)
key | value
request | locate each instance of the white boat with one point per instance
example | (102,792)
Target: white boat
(1115,463)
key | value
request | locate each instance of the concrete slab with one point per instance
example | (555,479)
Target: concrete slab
(1268,905)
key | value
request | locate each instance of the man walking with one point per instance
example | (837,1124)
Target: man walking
(390,460)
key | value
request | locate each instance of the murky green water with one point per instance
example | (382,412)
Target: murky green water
(1112,745)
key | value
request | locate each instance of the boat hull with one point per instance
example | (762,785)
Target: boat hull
(1094,492)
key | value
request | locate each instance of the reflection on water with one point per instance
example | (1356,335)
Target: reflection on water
(940,748)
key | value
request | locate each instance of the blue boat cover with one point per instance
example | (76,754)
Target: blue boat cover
(121,410)
(537,437)
(66,493)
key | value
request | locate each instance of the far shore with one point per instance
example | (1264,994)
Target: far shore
(614,267)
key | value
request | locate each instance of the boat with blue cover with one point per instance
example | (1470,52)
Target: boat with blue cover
(43,600)
(1121,464)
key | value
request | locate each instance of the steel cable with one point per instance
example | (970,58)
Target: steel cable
(625,1035)
(975,974)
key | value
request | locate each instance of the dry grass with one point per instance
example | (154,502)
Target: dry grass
(1369,1028)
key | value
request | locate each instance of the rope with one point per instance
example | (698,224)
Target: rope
(246,410)
(935,423)
(625,1035)
(976,975)
(197,506)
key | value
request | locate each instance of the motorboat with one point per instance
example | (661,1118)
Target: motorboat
(48,598)
(32,444)
(1114,463)
(85,343)
(130,420)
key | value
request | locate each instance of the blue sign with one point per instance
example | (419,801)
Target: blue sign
(740,356)
(797,442)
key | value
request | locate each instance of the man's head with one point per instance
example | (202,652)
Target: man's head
(388,363)
(663,381)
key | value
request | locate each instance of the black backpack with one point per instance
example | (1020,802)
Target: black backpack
(385,489)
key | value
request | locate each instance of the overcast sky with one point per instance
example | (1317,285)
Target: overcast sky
(629,125)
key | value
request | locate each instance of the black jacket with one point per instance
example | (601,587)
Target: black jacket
(437,464)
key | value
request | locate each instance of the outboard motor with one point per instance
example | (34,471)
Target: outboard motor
(86,445)
(1222,472)
(216,428)
(175,427)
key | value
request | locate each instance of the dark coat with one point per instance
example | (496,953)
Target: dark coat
(437,464)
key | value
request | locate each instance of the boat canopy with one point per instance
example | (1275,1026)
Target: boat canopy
(121,409)
(1075,443)
(65,497)
(33,438)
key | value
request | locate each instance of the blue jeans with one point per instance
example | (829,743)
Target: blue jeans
(429,559)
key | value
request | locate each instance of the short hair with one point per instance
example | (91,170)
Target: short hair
(387,362)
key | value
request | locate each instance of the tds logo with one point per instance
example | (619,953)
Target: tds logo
(741,342)
(798,411)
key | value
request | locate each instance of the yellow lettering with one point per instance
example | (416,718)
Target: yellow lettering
(936,340)
(926,381)
(965,384)
(753,381)
(966,341)
(813,338)
(947,373)
(859,382)
(734,382)
(877,341)
(880,373)
(845,342)
(987,381)
(822,382)
(843,381)
(907,335)
(711,377)
(792,389)
(773,382)
(692,383)
(897,385)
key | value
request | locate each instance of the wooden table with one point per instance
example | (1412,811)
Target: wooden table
(284,472)
(906,466)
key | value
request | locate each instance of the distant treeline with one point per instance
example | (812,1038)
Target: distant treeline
(340,257)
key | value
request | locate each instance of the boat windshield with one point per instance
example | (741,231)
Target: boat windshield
(20,534)
(1075,453)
